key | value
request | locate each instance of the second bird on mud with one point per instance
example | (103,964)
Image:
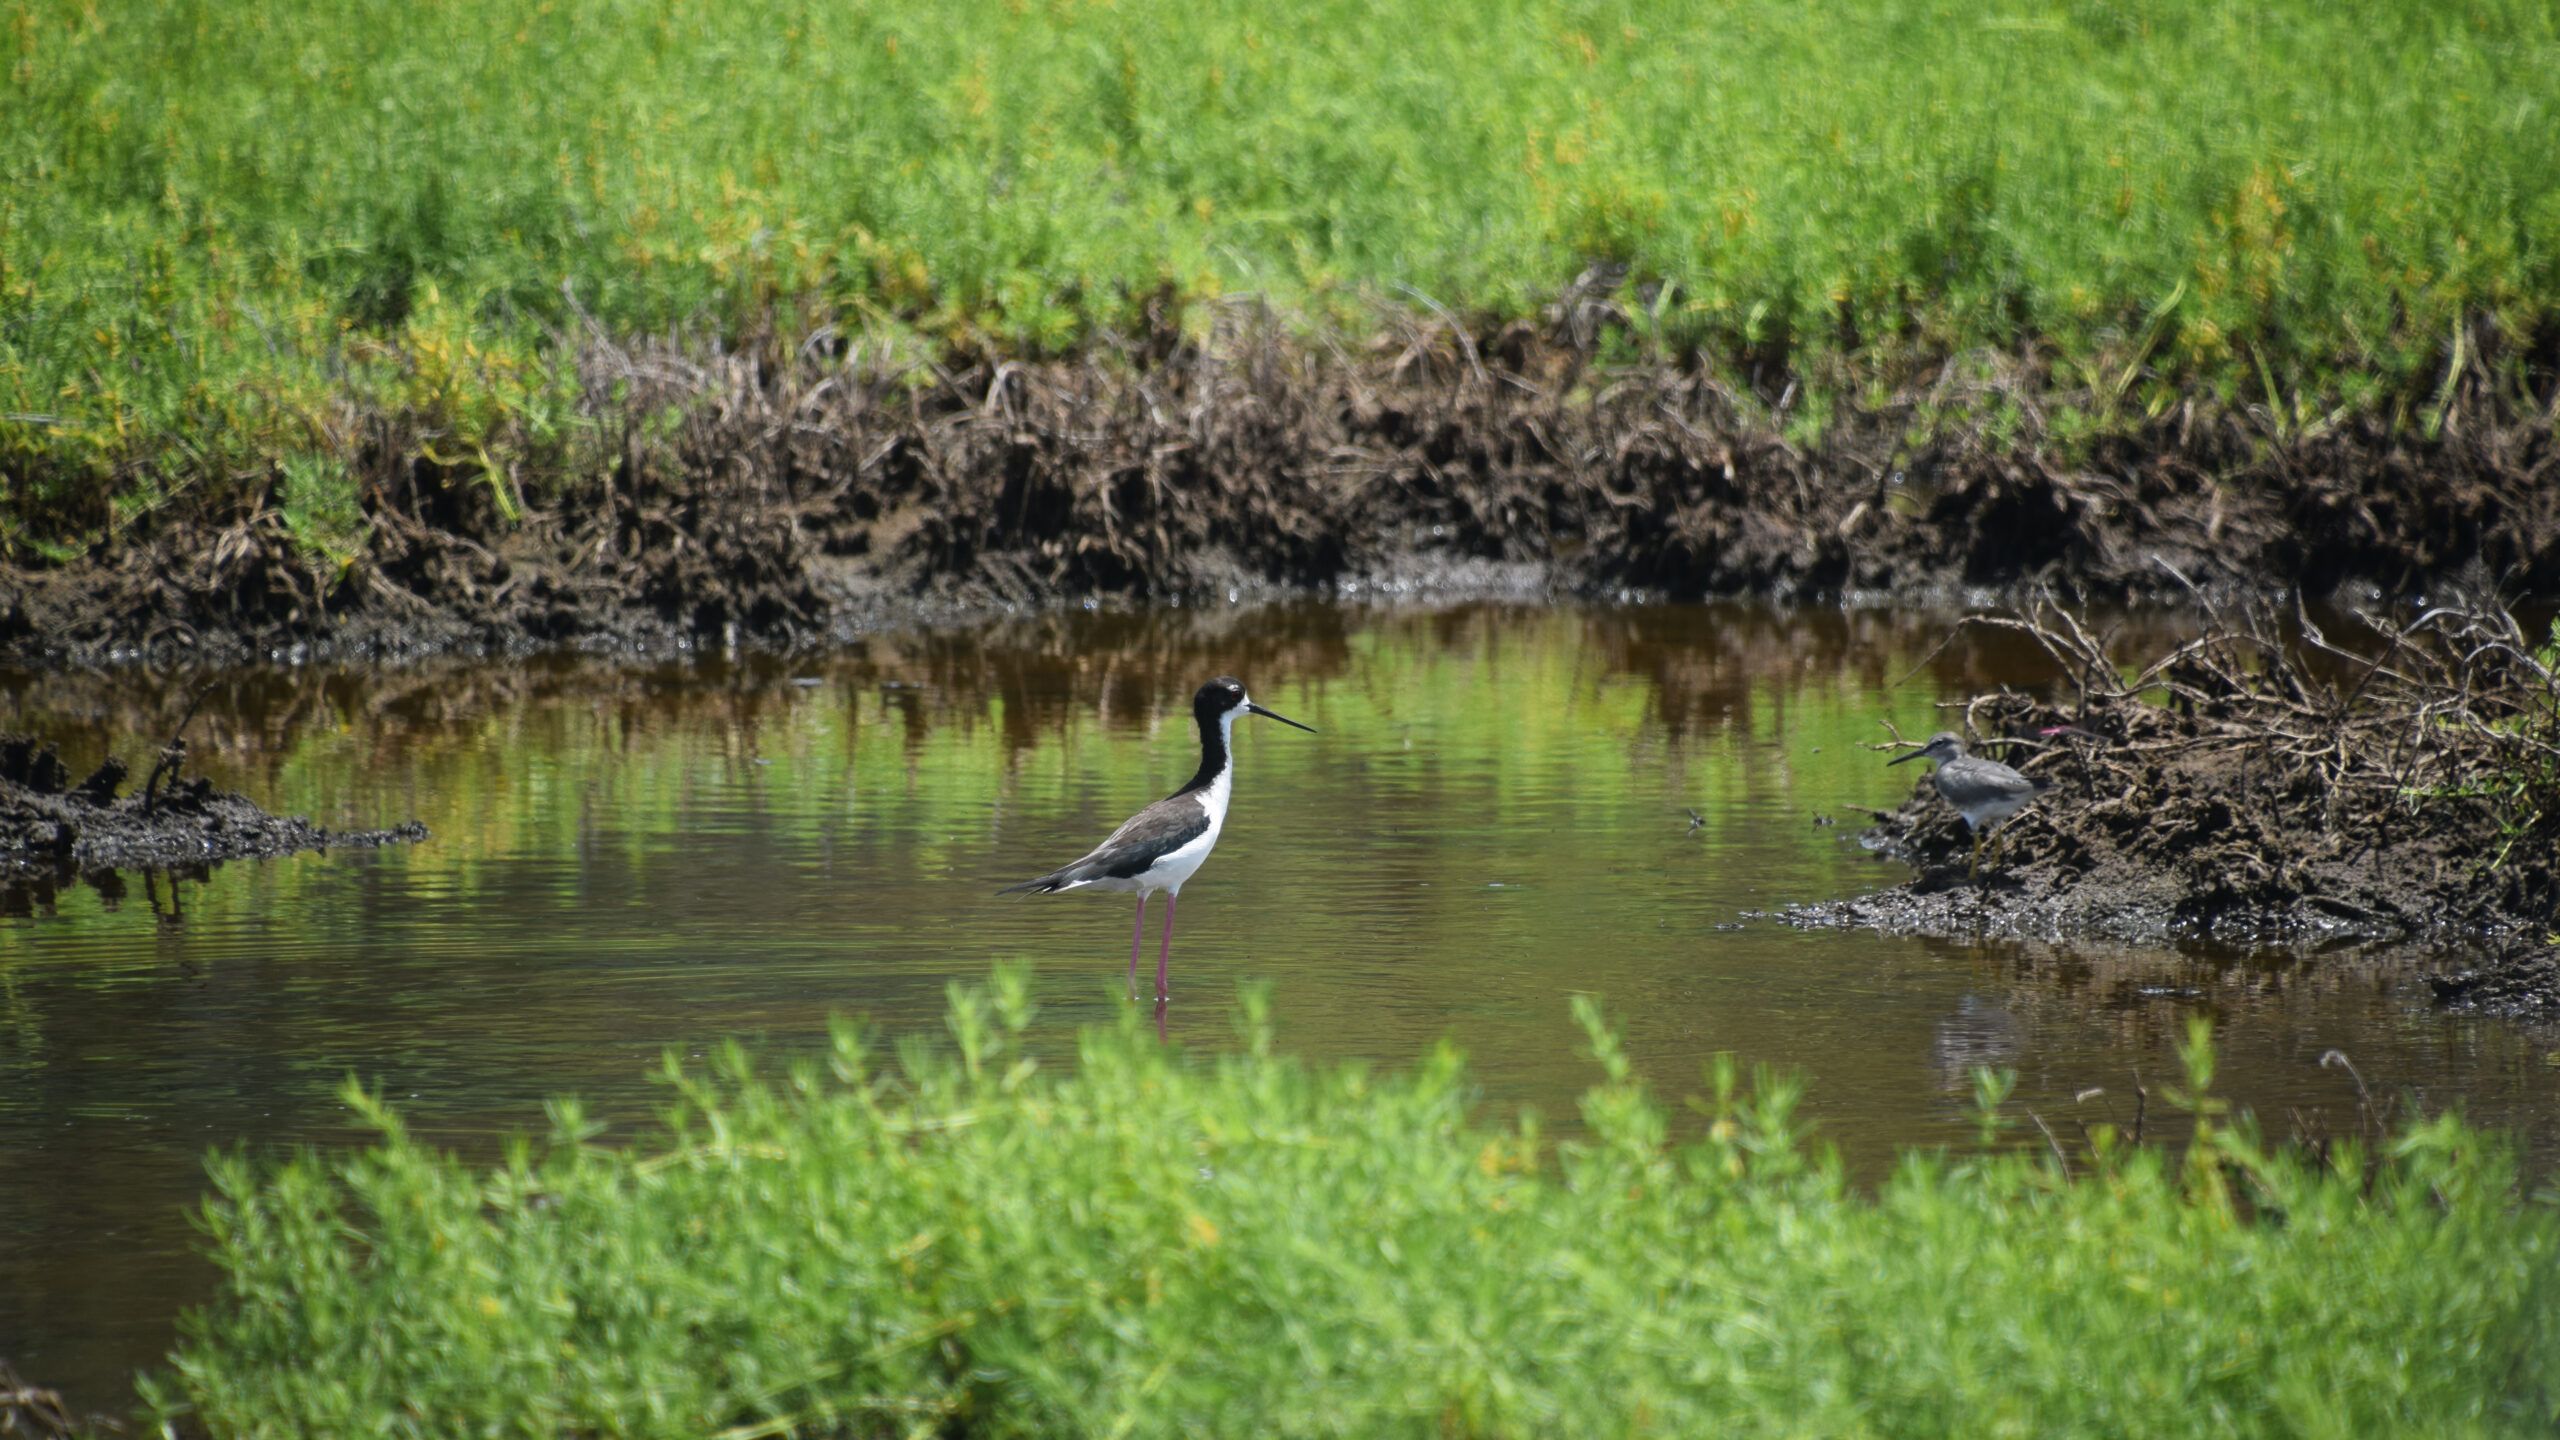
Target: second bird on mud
(1984,792)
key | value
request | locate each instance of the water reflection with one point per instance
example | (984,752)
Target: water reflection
(630,858)
(39,893)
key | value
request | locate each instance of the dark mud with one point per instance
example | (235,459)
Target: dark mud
(788,496)
(2521,981)
(2162,828)
(54,828)
(2242,791)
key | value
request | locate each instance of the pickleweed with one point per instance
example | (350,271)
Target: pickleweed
(907,1239)
(225,245)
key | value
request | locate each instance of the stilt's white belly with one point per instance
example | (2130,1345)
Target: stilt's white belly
(1176,866)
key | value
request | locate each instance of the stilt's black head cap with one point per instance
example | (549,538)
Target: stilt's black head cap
(1226,693)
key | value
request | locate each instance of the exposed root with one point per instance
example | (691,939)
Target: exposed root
(787,493)
(2261,780)
(34,1412)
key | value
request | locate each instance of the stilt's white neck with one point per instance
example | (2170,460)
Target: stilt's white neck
(1214,798)
(1223,784)
(1215,780)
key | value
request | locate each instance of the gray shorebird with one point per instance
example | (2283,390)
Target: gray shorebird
(1159,847)
(1984,792)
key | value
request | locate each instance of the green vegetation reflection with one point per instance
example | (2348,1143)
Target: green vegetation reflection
(1487,731)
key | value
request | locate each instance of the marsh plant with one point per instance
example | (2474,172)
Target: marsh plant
(232,235)
(955,1239)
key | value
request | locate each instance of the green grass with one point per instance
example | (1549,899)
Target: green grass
(226,230)
(956,1241)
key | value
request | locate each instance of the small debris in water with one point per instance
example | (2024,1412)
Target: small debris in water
(51,825)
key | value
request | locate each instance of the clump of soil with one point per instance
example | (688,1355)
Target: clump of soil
(782,494)
(2257,783)
(52,826)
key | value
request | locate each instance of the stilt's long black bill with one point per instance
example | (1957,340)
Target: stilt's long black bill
(1254,709)
(1907,755)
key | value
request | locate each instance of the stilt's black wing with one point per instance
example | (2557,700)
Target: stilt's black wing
(1145,838)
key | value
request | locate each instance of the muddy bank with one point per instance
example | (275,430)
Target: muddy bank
(792,495)
(53,827)
(2260,783)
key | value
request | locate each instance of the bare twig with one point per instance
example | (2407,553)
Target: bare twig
(173,754)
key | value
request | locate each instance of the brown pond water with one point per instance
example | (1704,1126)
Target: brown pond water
(632,859)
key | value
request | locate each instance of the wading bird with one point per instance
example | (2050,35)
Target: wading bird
(1984,792)
(1159,847)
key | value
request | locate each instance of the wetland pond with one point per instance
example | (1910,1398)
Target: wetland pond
(629,859)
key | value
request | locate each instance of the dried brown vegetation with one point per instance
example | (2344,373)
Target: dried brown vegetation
(2261,780)
(781,495)
(31,1410)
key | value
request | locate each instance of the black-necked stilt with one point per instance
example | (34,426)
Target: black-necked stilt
(1159,847)
(1984,792)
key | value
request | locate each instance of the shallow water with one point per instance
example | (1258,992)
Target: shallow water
(628,860)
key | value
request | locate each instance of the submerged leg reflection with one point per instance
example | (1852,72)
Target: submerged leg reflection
(1164,955)
(1137,942)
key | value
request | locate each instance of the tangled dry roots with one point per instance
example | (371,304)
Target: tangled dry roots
(772,492)
(2264,780)
(32,1411)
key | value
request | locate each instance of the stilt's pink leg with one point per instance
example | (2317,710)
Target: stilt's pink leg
(1164,955)
(1137,941)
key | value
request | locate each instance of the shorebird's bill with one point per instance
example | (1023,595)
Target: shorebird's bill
(1253,709)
